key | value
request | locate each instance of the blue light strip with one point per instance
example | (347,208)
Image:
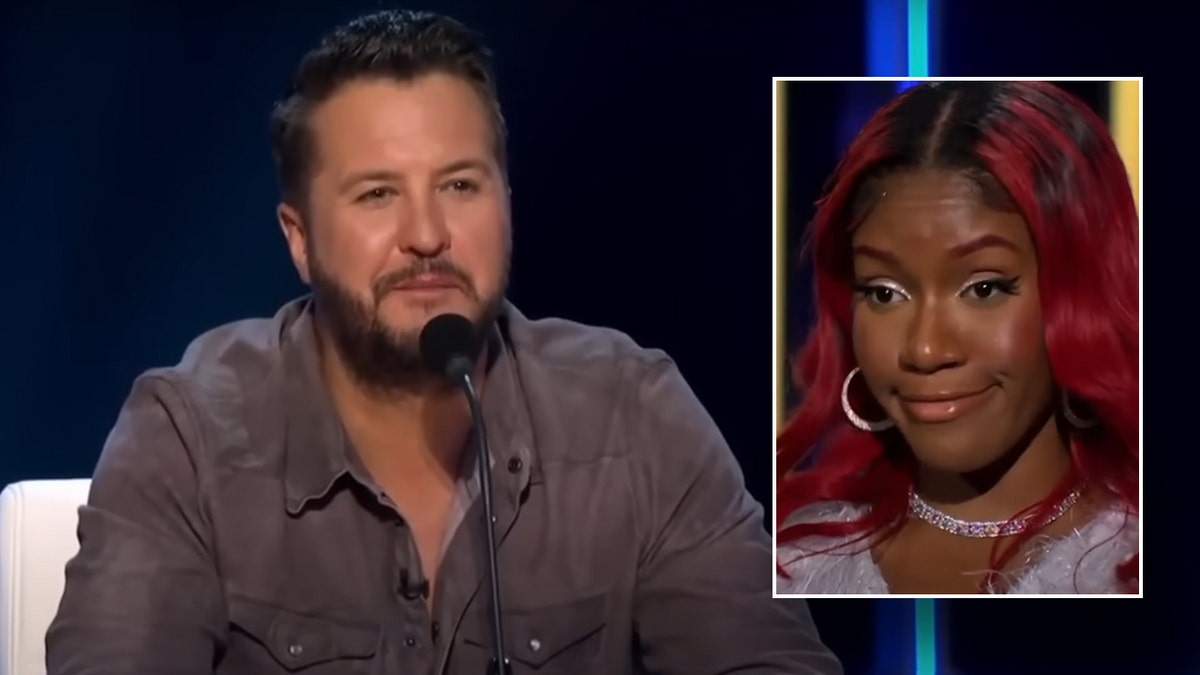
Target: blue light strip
(893,636)
(933,48)
(886,38)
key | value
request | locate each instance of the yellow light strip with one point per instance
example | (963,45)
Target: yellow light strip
(1125,122)
(781,247)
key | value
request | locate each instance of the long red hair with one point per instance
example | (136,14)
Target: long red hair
(1058,165)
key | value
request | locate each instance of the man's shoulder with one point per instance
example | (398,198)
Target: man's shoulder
(244,349)
(224,368)
(579,352)
(595,392)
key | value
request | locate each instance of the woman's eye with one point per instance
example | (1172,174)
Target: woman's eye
(990,289)
(984,289)
(880,294)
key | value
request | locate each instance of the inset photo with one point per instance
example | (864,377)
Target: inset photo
(958,337)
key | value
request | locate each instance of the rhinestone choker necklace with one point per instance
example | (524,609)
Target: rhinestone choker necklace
(989,529)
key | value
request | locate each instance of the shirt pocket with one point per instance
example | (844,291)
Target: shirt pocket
(559,638)
(298,642)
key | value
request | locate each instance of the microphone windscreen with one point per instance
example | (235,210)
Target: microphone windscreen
(445,337)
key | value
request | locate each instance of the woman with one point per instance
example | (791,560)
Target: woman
(970,389)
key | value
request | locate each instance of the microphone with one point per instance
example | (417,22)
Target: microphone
(449,347)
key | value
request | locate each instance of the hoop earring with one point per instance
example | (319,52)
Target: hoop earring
(857,421)
(1072,417)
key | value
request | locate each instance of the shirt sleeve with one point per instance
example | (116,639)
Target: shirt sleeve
(703,602)
(142,596)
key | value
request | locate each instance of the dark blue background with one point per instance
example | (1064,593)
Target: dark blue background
(136,198)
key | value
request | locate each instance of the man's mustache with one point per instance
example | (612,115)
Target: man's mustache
(424,267)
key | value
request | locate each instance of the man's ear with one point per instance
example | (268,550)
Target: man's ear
(295,231)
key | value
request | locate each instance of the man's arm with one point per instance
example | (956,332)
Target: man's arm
(142,596)
(703,600)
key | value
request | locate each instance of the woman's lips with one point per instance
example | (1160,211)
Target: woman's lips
(933,408)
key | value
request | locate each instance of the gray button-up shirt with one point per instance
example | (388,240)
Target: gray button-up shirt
(231,530)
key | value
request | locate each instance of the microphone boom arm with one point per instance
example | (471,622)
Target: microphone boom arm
(460,368)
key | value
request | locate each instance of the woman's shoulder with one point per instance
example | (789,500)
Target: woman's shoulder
(1084,561)
(826,564)
(826,512)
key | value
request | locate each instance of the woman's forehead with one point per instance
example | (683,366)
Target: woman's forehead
(936,209)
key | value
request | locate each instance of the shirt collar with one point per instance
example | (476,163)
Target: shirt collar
(318,453)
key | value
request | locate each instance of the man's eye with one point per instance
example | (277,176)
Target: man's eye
(376,194)
(462,185)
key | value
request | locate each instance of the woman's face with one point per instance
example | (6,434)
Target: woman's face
(947,322)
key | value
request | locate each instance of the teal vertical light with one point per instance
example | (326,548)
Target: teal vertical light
(925,619)
(927,647)
(918,38)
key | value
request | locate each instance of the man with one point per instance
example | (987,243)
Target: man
(298,494)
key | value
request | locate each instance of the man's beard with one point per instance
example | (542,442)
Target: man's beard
(379,358)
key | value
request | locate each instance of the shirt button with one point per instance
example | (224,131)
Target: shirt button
(295,649)
(410,641)
(535,644)
(515,464)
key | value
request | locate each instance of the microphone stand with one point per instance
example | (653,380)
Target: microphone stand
(460,368)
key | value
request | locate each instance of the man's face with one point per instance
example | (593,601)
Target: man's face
(407,217)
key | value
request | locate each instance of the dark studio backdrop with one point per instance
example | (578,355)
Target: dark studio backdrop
(136,196)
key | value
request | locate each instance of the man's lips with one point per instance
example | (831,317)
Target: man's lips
(427,282)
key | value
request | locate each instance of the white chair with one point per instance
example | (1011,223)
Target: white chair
(38,521)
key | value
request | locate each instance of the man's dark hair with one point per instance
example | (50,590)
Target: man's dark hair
(400,45)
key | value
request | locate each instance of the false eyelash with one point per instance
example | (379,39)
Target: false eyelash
(865,290)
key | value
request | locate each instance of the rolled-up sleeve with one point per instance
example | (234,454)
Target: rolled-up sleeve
(703,601)
(142,596)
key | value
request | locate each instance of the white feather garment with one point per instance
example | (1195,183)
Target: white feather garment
(1083,561)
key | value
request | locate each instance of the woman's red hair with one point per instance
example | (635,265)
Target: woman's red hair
(1059,166)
